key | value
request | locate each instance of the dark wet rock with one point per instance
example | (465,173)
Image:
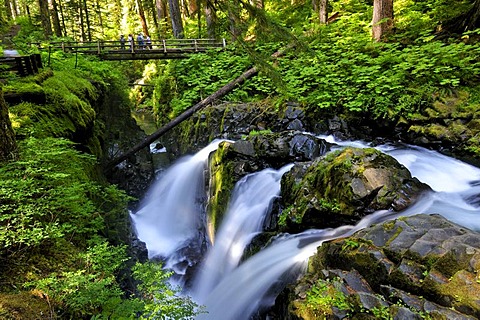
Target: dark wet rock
(235,121)
(392,269)
(343,186)
(234,160)
(121,132)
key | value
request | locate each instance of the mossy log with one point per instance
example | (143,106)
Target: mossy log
(187,114)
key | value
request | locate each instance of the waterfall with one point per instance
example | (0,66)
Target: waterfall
(232,290)
(250,201)
(265,274)
(169,218)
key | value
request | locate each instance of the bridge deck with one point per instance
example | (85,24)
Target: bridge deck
(157,49)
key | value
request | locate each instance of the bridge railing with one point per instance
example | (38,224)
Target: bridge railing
(108,46)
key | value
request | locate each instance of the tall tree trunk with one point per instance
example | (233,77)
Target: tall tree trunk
(234,17)
(382,21)
(162,14)
(323,11)
(82,24)
(199,17)
(257,4)
(45,18)
(15,11)
(62,18)
(54,16)
(8,145)
(151,11)
(27,9)
(87,20)
(185,7)
(100,19)
(8,10)
(211,20)
(176,17)
(141,16)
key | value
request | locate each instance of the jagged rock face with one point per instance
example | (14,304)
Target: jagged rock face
(234,160)
(405,268)
(344,186)
(234,121)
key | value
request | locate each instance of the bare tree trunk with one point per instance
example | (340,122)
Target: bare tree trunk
(199,17)
(234,17)
(162,14)
(8,10)
(100,19)
(27,9)
(87,19)
(8,145)
(82,25)
(211,20)
(15,11)
(62,18)
(176,17)
(54,16)
(257,4)
(323,11)
(141,16)
(45,18)
(382,21)
(151,11)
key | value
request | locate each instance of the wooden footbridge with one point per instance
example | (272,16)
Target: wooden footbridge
(156,49)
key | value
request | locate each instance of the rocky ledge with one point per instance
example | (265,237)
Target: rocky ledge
(416,267)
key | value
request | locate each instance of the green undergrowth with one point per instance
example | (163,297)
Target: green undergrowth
(337,67)
(63,228)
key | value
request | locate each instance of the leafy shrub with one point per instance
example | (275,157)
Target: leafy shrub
(47,195)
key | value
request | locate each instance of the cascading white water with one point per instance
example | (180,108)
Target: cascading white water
(236,292)
(242,292)
(249,286)
(170,214)
(250,201)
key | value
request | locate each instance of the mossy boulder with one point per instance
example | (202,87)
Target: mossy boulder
(233,160)
(412,267)
(343,186)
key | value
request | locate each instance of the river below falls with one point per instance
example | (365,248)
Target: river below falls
(172,223)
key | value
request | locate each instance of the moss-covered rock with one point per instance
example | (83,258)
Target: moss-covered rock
(419,266)
(234,160)
(344,186)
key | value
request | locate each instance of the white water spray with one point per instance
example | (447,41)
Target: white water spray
(236,292)
(171,214)
(250,202)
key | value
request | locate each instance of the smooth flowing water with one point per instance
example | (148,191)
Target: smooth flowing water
(170,217)
(230,290)
(250,202)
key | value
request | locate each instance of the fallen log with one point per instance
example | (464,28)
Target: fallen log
(185,115)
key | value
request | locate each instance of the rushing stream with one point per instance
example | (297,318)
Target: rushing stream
(172,217)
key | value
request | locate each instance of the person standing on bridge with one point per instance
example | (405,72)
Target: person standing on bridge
(130,42)
(122,42)
(148,42)
(140,41)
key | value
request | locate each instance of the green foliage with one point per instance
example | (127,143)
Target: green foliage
(92,288)
(342,69)
(324,295)
(181,84)
(160,299)
(48,195)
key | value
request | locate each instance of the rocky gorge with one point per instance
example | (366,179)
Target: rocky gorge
(412,267)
